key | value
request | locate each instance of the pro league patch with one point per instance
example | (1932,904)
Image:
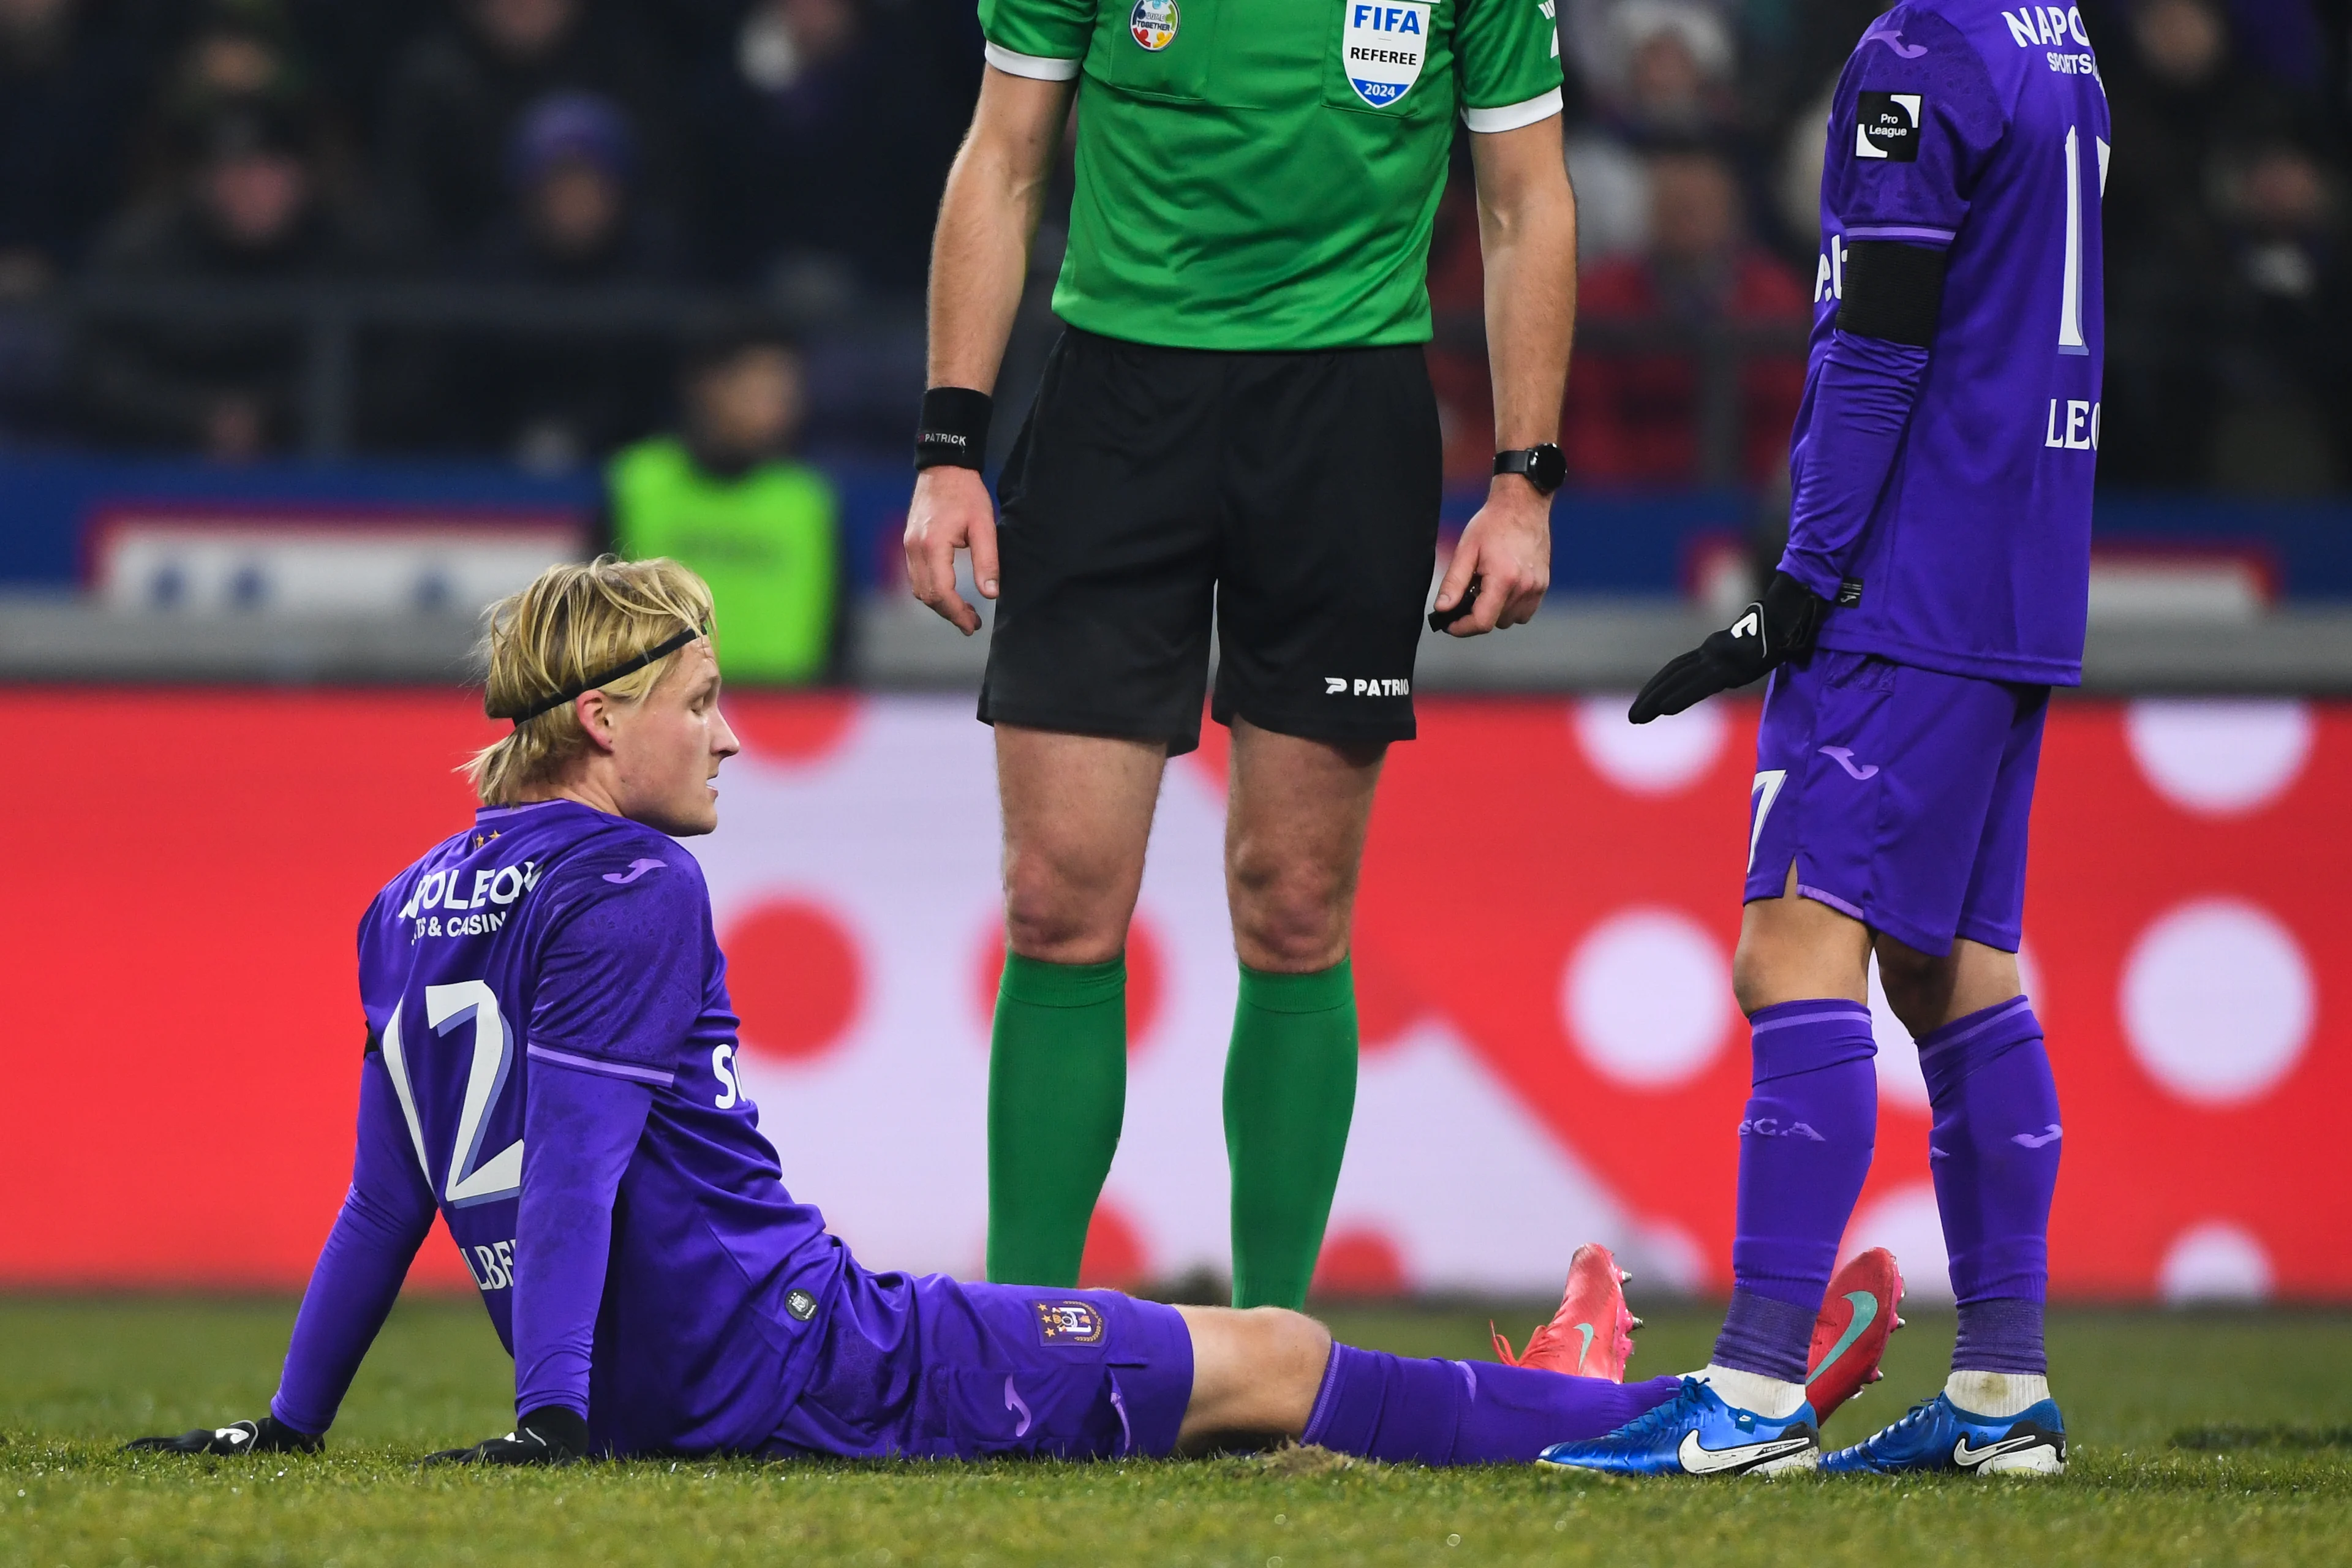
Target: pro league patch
(1069,1323)
(1887,126)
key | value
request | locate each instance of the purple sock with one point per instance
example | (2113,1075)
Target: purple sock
(1466,1413)
(1804,1149)
(1994,1153)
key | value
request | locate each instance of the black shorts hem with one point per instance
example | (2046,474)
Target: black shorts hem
(1181,738)
(1318,727)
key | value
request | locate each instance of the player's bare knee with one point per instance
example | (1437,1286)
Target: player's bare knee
(1752,976)
(1918,986)
(1293,1350)
(1306,1352)
(1766,967)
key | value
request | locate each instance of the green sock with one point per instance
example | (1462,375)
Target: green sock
(1056,1094)
(1290,1092)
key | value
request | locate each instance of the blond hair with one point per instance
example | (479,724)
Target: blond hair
(573,622)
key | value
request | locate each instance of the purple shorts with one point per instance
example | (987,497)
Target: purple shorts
(1900,795)
(934,1368)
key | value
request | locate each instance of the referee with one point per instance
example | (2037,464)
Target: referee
(1235,428)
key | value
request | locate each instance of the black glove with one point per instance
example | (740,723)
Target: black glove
(1768,633)
(266,1436)
(551,1435)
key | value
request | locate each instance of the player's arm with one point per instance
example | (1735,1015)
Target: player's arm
(383,1221)
(1862,395)
(1869,380)
(581,1126)
(1898,203)
(620,981)
(979,261)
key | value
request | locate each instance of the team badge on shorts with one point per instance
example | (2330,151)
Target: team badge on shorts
(1382,46)
(1069,1323)
(1154,24)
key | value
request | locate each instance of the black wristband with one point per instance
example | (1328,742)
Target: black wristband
(953,430)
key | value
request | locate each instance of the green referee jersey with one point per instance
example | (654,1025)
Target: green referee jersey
(1260,174)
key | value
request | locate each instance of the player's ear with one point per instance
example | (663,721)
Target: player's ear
(596,713)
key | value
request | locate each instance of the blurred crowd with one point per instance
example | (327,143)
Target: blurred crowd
(794,151)
(1695,138)
(781,148)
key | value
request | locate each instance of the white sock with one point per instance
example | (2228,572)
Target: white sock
(1995,1393)
(1767,1397)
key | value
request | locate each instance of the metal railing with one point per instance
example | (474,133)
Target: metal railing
(1719,350)
(330,318)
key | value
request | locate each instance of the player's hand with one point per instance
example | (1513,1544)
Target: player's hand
(1768,633)
(266,1436)
(1507,548)
(550,1435)
(951,510)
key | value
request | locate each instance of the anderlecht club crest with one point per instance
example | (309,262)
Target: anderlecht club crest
(1154,23)
(1382,45)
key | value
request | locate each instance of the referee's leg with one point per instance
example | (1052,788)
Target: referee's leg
(1333,465)
(1097,668)
(1297,813)
(1077,815)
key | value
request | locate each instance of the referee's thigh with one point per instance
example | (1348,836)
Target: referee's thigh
(1332,476)
(1107,546)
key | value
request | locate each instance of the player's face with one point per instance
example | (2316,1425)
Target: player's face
(667,747)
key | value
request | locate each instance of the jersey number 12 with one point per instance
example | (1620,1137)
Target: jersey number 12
(471,1179)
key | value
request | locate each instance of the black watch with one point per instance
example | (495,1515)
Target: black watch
(1542,467)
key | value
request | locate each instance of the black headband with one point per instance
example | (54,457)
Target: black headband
(661,650)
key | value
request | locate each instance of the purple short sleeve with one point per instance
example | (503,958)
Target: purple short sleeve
(622,979)
(1916,120)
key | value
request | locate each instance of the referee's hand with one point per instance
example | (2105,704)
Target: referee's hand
(951,510)
(1507,547)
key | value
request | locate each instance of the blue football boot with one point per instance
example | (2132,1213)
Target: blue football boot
(1938,1435)
(1696,1434)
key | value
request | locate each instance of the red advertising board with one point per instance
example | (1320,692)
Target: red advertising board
(1543,943)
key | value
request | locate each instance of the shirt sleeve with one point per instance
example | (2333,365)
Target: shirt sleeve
(1044,39)
(383,1221)
(622,976)
(1863,394)
(1507,58)
(1914,121)
(580,1130)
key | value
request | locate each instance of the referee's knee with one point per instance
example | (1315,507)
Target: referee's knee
(1055,918)
(1291,921)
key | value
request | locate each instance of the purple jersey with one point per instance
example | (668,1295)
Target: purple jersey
(1984,133)
(551,1068)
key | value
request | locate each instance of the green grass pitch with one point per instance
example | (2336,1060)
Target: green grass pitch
(2208,1438)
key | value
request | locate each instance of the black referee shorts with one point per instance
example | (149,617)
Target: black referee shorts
(1293,496)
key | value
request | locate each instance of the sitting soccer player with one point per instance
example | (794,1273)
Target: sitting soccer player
(550,1064)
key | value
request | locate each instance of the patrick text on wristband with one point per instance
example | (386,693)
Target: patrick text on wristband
(953,429)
